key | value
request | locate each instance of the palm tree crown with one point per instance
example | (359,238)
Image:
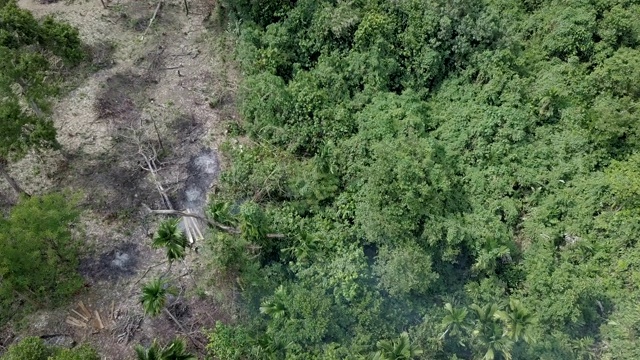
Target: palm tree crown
(175,350)
(171,237)
(399,349)
(154,296)
(517,321)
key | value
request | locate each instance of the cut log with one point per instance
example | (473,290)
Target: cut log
(84,310)
(100,324)
(80,315)
(75,322)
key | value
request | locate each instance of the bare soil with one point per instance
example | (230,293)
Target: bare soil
(163,92)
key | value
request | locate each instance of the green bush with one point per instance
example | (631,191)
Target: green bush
(33,348)
(30,348)
(39,253)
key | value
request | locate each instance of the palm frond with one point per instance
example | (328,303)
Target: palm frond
(154,296)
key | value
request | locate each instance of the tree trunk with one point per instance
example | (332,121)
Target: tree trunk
(10,180)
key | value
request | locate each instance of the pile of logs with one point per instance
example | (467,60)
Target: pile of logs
(82,317)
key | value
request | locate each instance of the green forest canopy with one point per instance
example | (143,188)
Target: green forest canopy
(454,179)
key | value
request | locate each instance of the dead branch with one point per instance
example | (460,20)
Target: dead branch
(151,20)
(195,342)
(128,328)
(150,156)
(172,67)
(147,271)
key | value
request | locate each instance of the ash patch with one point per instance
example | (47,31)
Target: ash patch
(115,264)
(116,187)
(59,340)
(121,95)
(202,170)
(180,310)
(102,55)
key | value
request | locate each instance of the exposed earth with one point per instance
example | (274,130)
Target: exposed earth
(154,96)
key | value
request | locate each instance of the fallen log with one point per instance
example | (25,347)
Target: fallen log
(229,229)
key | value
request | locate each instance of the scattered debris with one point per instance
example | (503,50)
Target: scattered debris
(127,328)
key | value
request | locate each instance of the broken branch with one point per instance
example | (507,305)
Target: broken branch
(152,18)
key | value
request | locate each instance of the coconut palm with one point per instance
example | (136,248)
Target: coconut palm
(154,299)
(488,335)
(153,352)
(455,321)
(171,237)
(399,349)
(517,321)
(154,296)
(175,350)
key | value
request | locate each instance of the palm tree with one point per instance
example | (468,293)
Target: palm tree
(154,296)
(455,321)
(154,299)
(172,238)
(175,350)
(399,349)
(488,335)
(151,353)
(275,307)
(517,321)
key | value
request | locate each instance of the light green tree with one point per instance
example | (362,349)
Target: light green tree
(39,252)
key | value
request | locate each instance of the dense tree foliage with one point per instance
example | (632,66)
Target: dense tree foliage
(32,54)
(38,254)
(33,348)
(465,171)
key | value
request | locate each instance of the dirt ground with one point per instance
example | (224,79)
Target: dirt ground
(156,96)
